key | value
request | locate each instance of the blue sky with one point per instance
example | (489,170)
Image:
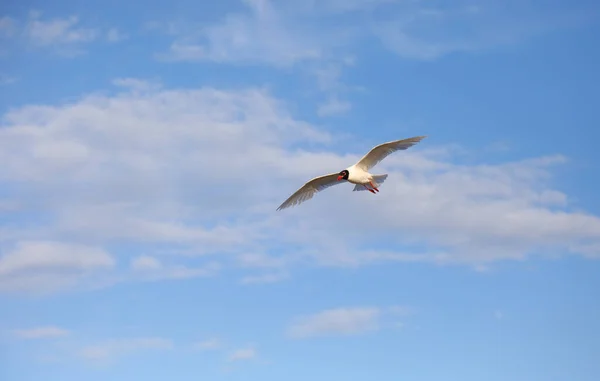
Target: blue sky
(145,148)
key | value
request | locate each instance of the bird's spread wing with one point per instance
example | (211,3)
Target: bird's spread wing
(310,189)
(383,150)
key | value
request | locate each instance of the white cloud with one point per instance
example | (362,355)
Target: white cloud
(348,321)
(318,36)
(397,38)
(115,35)
(137,84)
(336,322)
(65,35)
(343,6)
(209,344)
(115,348)
(140,167)
(184,272)
(41,332)
(179,168)
(45,266)
(268,33)
(143,263)
(400,310)
(8,26)
(261,35)
(8,206)
(426,32)
(265,278)
(591,251)
(329,74)
(150,268)
(243,354)
(260,260)
(334,106)
(275,265)
(7,80)
(58,31)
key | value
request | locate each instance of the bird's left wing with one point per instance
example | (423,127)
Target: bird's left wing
(309,189)
(383,150)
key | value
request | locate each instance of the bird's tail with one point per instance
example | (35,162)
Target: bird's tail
(377,181)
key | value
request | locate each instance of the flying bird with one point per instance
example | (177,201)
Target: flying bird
(357,174)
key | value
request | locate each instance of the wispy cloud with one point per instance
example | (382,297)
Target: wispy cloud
(112,349)
(319,36)
(8,27)
(209,344)
(430,31)
(67,35)
(7,80)
(334,106)
(400,311)
(282,34)
(274,268)
(261,35)
(242,354)
(144,263)
(342,6)
(115,35)
(44,332)
(259,260)
(348,321)
(150,268)
(265,278)
(58,31)
(336,322)
(46,266)
(137,84)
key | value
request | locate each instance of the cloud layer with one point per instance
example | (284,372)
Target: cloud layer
(198,173)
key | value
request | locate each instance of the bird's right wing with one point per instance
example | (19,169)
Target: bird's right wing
(309,189)
(383,150)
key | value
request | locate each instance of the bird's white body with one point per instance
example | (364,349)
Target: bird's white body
(357,174)
(362,178)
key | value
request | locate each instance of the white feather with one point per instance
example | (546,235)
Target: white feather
(380,152)
(377,181)
(308,190)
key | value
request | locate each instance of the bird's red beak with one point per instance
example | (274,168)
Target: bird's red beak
(340,177)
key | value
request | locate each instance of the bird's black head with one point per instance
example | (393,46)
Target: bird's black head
(343,175)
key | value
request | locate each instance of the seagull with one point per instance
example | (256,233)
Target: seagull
(357,174)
